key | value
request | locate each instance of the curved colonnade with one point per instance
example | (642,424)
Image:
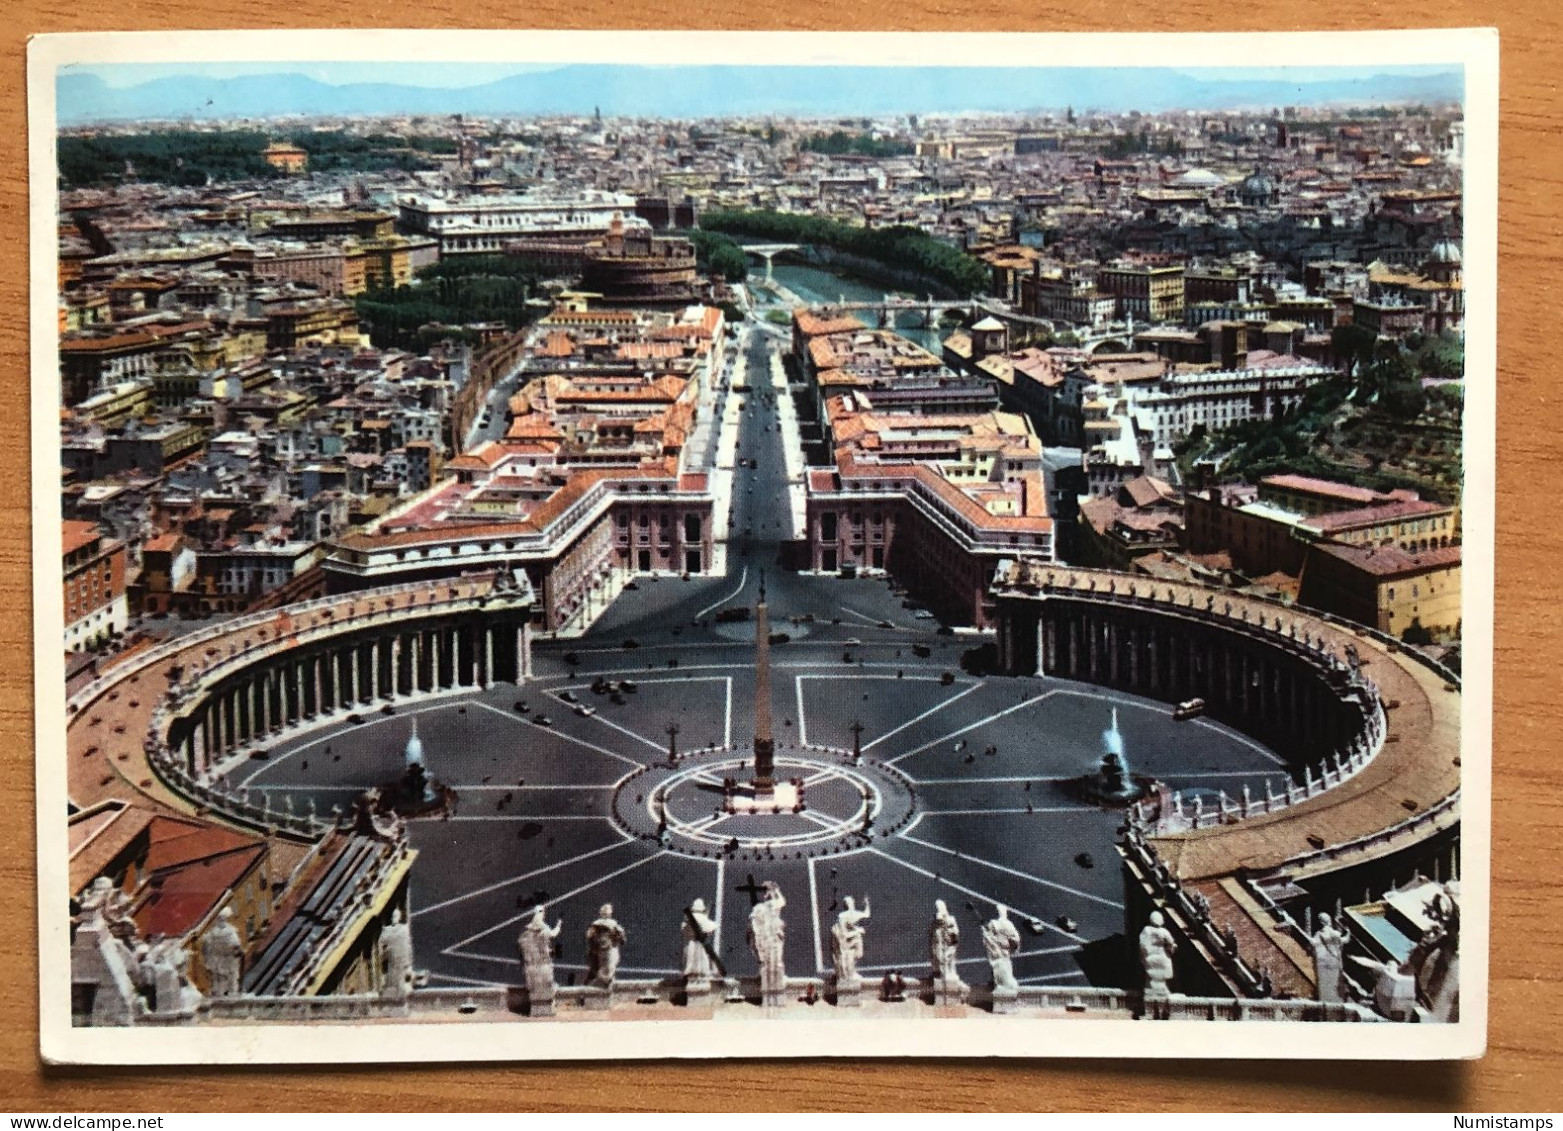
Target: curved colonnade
(1387,719)
(233,688)
(1352,712)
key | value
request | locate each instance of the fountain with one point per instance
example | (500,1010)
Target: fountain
(416,793)
(1111,784)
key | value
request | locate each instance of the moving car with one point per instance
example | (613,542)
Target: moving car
(1189,709)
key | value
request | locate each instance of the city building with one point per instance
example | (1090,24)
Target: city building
(1385,559)
(934,500)
(1411,596)
(1144,293)
(1141,518)
(479,224)
(286,157)
(96,609)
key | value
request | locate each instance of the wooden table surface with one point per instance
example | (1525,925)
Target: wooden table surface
(1523,1069)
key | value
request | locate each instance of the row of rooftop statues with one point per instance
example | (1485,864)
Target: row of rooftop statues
(767,933)
(1393,986)
(152,976)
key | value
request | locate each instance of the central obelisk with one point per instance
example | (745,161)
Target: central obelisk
(764,742)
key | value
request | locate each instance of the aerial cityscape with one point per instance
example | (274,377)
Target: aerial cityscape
(609,543)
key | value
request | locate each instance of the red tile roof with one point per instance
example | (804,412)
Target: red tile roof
(1371,516)
(79,534)
(1392,561)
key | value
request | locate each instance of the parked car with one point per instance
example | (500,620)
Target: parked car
(542,720)
(569,697)
(585,712)
(522,706)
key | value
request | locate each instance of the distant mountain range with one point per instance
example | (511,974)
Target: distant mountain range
(740,90)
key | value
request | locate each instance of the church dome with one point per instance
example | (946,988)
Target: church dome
(1445,251)
(1257,188)
(1198,178)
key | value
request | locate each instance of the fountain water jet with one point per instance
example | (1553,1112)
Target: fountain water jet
(1111,783)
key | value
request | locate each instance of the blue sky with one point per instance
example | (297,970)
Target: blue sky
(453,76)
(227,90)
(447,76)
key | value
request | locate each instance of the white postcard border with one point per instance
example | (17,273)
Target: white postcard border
(1475,49)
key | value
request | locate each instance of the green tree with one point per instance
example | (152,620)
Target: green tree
(453,292)
(1352,346)
(899,247)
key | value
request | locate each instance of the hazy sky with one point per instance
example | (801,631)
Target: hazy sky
(447,76)
(219,90)
(456,75)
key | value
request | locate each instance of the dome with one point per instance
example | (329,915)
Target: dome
(1257,186)
(1444,251)
(1198,178)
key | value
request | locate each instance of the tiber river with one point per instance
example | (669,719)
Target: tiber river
(816,285)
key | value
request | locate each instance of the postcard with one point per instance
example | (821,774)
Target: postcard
(697,545)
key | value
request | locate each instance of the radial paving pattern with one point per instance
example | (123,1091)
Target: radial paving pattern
(961,782)
(960,775)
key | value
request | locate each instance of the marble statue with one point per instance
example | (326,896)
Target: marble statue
(1001,939)
(113,905)
(1437,955)
(396,939)
(222,952)
(944,936)
(699,932)
(1329,966)
(846,941)
(1394,989)
(604,939)
(767,935)
(102,960)
(537,955)
(168,963)
(1157,946)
